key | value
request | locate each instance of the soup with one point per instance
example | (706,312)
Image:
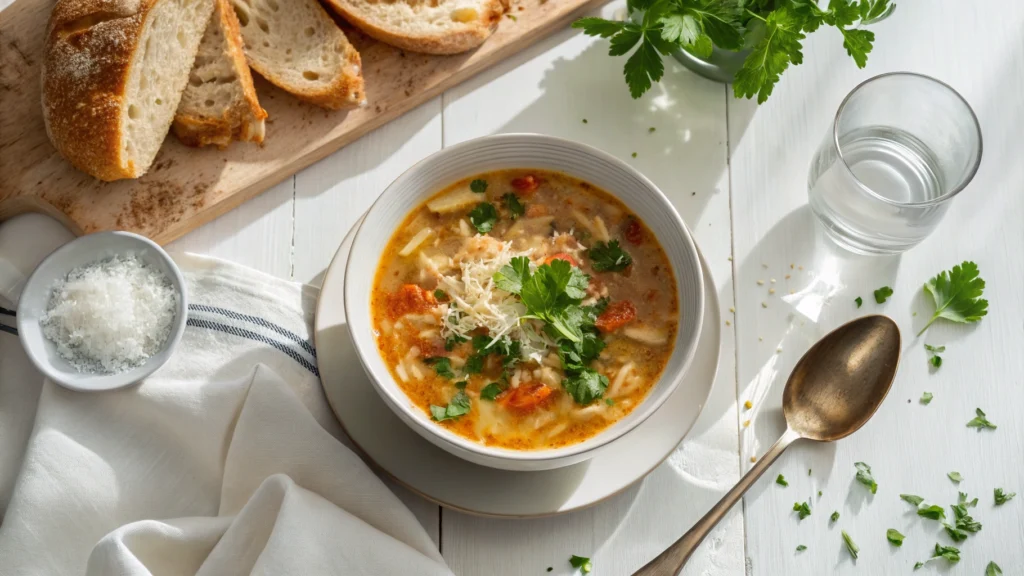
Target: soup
(524,309)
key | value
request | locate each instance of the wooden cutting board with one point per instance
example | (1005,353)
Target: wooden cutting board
(187,187)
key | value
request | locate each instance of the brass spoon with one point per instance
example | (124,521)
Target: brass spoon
(834,389)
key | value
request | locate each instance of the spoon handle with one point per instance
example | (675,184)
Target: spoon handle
(671,561)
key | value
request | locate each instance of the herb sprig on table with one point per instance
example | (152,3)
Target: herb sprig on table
(772,29)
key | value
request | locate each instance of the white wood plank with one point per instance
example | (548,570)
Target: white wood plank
(331,195)
(909,446)
(550,89)
(257,234)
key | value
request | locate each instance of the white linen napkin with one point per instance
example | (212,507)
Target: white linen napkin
(225,461)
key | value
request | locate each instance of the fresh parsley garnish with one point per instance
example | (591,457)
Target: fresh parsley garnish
(980,421)
(864,476)
(834,517)
(935,359)
(993,569)
(894,537)
(781,480)
(935,349)
(483,217)
(1003,497)
(951,554)
(851,547)
(452,341)
(609,257)
(918,565)
(474,364)
(801,548)
(915,500)
(955,477)
(803,509)
(859,301)
(957,295)
(461,385)
(440,294)
(963,523)
(491,391)
(515,207)
(963,500)
(586,386)
(933,512)
(926,398)
(882,294)
(609,402)
(457,406)
(582,563)
(442,365)
(479,186)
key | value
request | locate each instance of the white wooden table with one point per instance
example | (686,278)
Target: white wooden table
(737,174)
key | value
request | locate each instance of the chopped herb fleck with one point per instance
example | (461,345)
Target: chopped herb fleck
(933,512)
(834,517)
(781,480)
(582,563)
(894,537)
(882,294)
(1003,497)
(993,569)
(936,349)
(442,365)
(951,554)
(936,361)
(609,257)
(491,391)
(864,476)
(479,186)
(850,546)
(955,477)
(515,207)
(461,385)
(483,217)
(859,301)
(915,500)
(634,154)
(651,130)
(926,398)
(609,401)
(980,421)
(584,120)
(801,548)
(458,406)
(803,509)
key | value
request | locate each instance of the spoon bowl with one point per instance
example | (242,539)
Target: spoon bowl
(834,389)
(841,381)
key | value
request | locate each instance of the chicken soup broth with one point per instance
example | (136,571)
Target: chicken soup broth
(524,309)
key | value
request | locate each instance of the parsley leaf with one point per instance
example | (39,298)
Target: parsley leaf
(553,293)
(801,548)
(859,301)
(993,569)
(933,512)
(1003,497)
(935,349)
(582,563)
(980,421)
(474,364)
(936,361)
(511,276)
(452,341)
(515,207)
(858,44)
(894,537)
(864,476)
(457,406)
(951,554)
(771,56)
(479,186)
(926,398)
(442,366)
(483,217)
(586,386)
(781,480)
(882,294)
(957,295)
(834,517)
(850,546)
(918,565)
(491,391)
(915,500)
(872,11)
(803,509)
(955,477)
(609,257)
(963,500)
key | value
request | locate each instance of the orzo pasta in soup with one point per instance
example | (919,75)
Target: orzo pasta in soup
(524,309)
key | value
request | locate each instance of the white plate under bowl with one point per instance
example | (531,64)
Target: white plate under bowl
(396,450)
(35,298)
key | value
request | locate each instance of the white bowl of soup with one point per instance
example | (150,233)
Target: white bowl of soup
(522,301)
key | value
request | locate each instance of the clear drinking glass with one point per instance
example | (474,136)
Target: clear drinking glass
(902,146)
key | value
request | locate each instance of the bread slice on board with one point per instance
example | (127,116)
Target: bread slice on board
(219,103)
(297,46)
(113,74)
(434,27)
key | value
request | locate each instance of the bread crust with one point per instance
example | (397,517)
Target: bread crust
(88,55)
(244,120)
(450,43)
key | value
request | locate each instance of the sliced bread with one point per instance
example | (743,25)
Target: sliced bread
(297,46)
(432,27)
(219,103)
(113,74)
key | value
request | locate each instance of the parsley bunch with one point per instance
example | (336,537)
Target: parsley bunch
(771,29)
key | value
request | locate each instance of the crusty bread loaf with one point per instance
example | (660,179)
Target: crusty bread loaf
(219,103)
(297,46)
(113,73)
(433,27)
